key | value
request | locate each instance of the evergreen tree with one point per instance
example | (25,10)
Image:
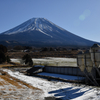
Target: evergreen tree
(2,57)
(3,48)
(8,59)
(27,59)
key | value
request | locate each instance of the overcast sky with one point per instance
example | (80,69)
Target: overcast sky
(81,17)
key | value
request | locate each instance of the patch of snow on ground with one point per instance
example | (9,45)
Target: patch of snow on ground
(52,61)
(15,60)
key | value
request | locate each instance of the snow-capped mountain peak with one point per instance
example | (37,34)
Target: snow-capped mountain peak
(39,24)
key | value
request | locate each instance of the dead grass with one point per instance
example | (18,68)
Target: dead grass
(8,96)
(2,89)
(15,81)
(8,80)
(2,83)
(13,88)
(0,94)
(68,53)
(5,65)
(11,65)
(23,83)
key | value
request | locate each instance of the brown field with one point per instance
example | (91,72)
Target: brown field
(11,65)
(5,65)
(70,54)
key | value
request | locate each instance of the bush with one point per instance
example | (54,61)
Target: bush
(27,59)
(3,51)
(2,57)
(3,48)
(8,59)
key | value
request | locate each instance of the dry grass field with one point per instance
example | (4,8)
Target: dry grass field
(68,54)
(15,89)
(5,65)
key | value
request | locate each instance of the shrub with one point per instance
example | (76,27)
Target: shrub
(3,51)
(2,57)
(27,59)
(3,48)
(8,59)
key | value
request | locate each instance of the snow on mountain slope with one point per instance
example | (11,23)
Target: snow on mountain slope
(39,24)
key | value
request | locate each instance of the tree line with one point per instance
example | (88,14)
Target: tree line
(5,58)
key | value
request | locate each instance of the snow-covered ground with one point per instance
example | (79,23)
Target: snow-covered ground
(52,61)
(63,90)
(15,60)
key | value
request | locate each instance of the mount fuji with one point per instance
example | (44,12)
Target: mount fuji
(42,32)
